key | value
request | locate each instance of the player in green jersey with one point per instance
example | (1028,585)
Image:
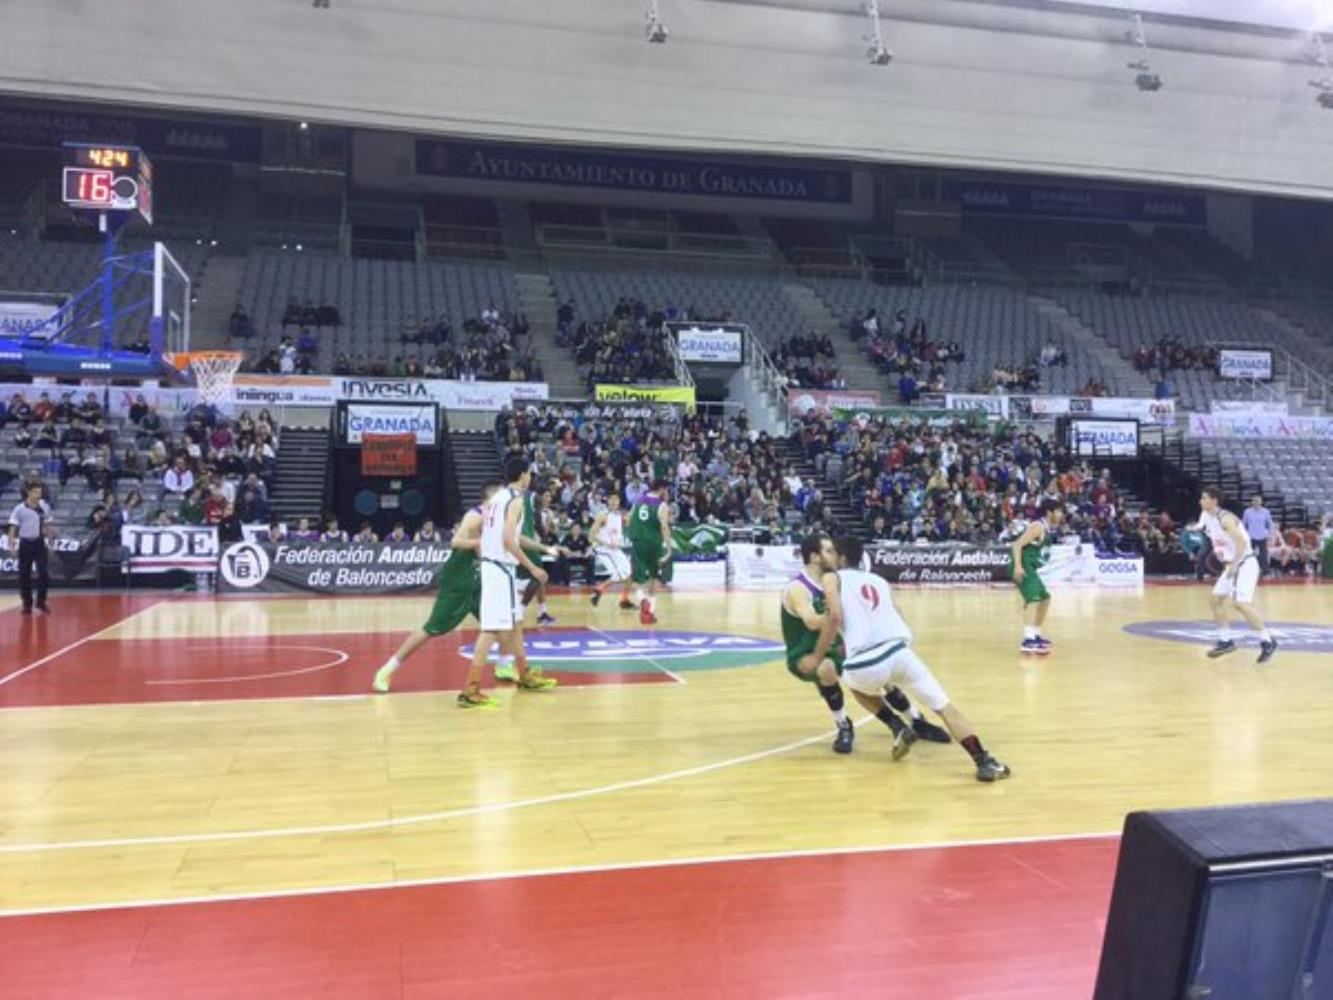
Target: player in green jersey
(803,610)
(1027,555)
(650,548)
(458,592)
(528,531)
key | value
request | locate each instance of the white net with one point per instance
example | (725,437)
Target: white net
(213,375)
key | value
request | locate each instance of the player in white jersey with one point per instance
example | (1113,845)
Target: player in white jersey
(608,539)
(1235,588)
(879,649)
(501,554)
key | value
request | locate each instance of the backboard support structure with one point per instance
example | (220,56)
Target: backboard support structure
(126,322)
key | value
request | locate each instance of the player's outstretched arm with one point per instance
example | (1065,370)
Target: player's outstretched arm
(1029,535)
(468,536)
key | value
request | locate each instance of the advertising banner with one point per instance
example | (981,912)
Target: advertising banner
(418,422)
(890,414)
(1248,407)
(1061,202)
(157,549)
(1230,425)
(823,402)
(388,455)
(1155,412)
(940,563)
(1067,563)
(719,345)
(1249,365)
(68,559)
(625,171)
(319,390)
(762,566)
(24,318)
(682,395)
(378,568)
(1104,438)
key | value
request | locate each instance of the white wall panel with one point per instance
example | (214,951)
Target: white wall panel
(734,77)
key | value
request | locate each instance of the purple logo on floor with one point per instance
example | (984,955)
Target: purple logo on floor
(1296,637)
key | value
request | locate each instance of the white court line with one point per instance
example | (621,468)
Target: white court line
(714,859)
(79,642)
(339,658)
(431,817)
(642,656)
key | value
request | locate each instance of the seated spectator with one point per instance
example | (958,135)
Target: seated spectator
(229,527)
(332,534)
(64,408)
(134,511)
(365,534)
(177,480)
(428,533)
(277,532)
(19,411)
(304,532)
(398,535)
(47,435)
(43,410)
(239,325)
(191,509)
(253,508)
(216,503)
(307,344)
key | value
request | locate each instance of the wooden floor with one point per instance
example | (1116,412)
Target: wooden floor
(158,748)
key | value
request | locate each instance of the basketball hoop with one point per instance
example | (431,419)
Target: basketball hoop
(213,372)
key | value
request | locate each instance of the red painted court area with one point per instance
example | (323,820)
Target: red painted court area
(59,660)
(1016,921)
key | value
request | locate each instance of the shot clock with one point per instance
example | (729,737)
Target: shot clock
(108,179)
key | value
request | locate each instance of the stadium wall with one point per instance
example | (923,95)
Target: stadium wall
(977,85)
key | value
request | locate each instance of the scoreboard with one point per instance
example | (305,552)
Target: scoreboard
(108,179)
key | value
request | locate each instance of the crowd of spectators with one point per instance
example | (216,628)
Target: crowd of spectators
(1169,355)
(808,362)
(492,347)
(628,346)
(905,353)
(964,481)
(215,471)
(719,470)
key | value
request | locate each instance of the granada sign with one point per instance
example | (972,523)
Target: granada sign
(719,345)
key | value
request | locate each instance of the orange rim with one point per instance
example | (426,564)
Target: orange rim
(184,359)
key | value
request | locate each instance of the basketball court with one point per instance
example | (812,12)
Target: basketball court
(202,797)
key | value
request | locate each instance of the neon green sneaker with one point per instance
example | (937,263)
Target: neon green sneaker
(506,672)
(380,685)
(477,699)
(535,680)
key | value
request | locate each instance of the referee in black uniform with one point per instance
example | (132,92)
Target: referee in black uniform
(27,527)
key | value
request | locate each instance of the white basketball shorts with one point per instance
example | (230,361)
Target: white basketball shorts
(874,670)
(501,599)
(1240,585)
(615,562)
